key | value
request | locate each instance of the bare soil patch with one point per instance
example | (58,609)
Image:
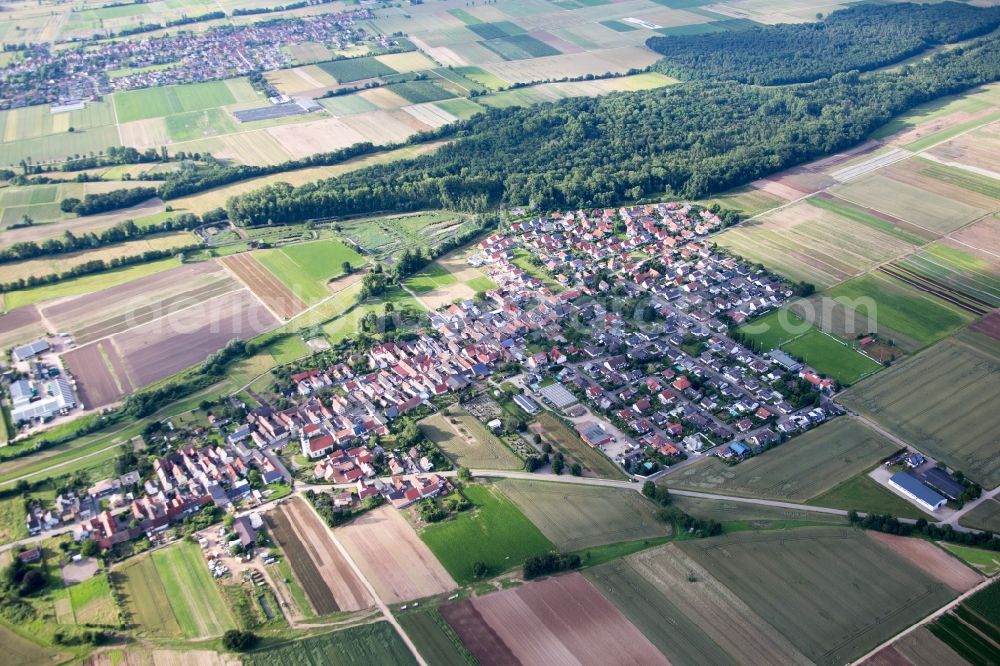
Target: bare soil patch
(175,342)
(77,572)
(933,560)
(988,325)
(96,384)
(20,324)
(562,620)
(392,556)
(265,285)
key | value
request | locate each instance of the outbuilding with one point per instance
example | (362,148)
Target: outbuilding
(911,487)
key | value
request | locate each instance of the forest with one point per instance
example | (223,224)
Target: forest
(687,140)
(863,38)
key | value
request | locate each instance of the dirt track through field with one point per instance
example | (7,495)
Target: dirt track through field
(269,289)
(391,556)
(933,560)
(562,620)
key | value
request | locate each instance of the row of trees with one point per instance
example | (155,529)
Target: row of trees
(862,37)
(105,201)
(892,525)
(686,140)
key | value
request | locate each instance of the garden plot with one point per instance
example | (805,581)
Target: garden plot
(468,445)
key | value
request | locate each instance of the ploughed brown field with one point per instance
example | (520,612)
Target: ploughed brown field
(93,316)
(113,367)
(265,285)
(20,325)
(562,620)
(391,555)
(989,325)
(317,563)
(937,563)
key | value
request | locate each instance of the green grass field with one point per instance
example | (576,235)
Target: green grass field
(355,69)
(92,601)
(851,212)
(376,643)
(986,562)
(986,516)
(957,269)
(199,124)
(495,532)
(147,606)
(901,308)
(580,517)
(566,440)
(305,268)
(482,77)
(801,468)
(19,651)
(730,512)
(967,180)
(170,100)
(942,400)
(481,284)
(519,47)
(467,443)
(862,493)
(436,642)
(830,357)
(193,595)
(833,593)
(774,329)
(420,92)
(431,277)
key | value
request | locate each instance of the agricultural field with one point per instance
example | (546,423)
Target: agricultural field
(864,595)
(383,236)
(435,640)
(934,561)
(467,443)
(559,620)
(305,268)
(92,603)
(356,69)
(265,285)
(962,274)
(19,651)
(896,306)
(494,532)
(986,562)
(801,468)
(986,516)
(319,567)
(579,517)
(814,241)
(193,596)
(955,421)
(564,439)
(171,100)
(917,648)
(391,556)
(755,516)
(686,613)
(970,628)
(376,643)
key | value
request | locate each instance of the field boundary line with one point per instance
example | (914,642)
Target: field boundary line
(368,586)
(930,618)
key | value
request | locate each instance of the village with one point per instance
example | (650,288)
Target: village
(78,74)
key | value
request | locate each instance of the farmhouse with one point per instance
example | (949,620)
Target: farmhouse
(29,351)
(912,488)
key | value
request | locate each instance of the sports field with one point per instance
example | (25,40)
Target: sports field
(467,442)
(494,532)
(431,277)
(833,593)
(564,439)
(797,470)
(831,357)
(376,643)
(580,517)
(943,401)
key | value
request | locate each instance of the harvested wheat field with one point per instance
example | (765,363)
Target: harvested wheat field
(320,567)
(391,556)
(933,560)
(561,620)
(269,289)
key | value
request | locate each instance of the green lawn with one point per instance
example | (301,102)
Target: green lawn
(495,532)
(986,562)
(830,357)
(861,493)
(305,268)
(481,284)
(169,100)
(429,278)
(194,597)
(774,329)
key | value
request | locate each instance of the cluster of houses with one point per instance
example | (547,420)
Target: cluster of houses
(399,491)
(121,509)
(666,374)
(184,57)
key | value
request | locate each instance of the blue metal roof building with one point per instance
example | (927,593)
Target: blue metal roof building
(912,488)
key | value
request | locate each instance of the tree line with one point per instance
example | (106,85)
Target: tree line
(103,202)
(862,37)
(687,140)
